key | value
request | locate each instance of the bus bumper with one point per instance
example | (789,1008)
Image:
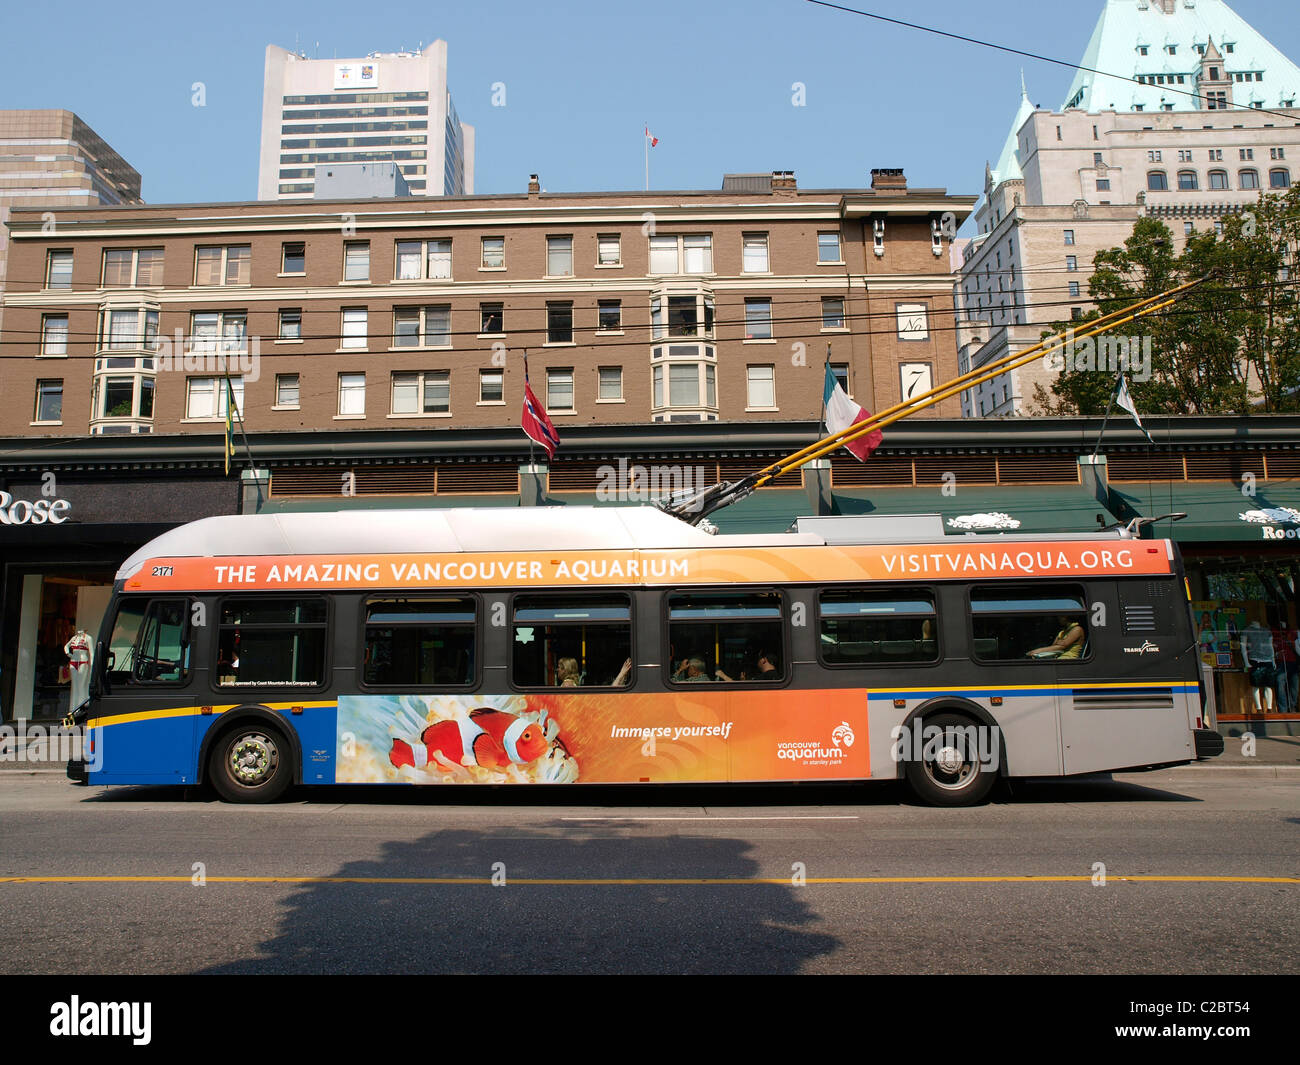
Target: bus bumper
(1209,744)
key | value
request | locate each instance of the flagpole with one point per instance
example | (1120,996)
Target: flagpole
(1114,392)
(826,368)
(530,439)
(645,143)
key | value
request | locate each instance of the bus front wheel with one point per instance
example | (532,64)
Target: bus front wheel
(251,763)
(947,765)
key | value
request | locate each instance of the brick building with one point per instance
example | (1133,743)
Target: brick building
(634,307)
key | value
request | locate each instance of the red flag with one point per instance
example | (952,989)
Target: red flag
(534,421)
(651,137)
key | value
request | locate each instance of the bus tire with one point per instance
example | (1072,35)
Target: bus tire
(251,762)
(950,776)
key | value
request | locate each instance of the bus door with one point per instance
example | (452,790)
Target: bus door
(143,712)
(1122,702)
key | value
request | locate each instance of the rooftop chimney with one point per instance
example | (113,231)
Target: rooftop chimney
(888,179)
(783,180)
(534,186)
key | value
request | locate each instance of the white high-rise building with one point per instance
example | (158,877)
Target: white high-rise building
(387,107)
(1193,118)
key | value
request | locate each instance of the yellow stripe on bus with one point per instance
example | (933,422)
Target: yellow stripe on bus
(196,711)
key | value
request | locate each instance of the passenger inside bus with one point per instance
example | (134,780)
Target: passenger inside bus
(1068,643)
(694,670)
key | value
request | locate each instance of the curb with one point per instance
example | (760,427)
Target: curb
(1220,773)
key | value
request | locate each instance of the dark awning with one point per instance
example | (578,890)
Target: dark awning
(1266,512)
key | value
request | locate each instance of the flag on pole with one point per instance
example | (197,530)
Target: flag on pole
(230,424)
(841,412)
(654,141)
(534,421)
(1124,400)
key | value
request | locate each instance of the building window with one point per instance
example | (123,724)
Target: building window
(422,393)
(136,328)
(1218,179)
(286,390)
(293,258)
(49,401)
(1103,184)
(1184,155)
(223,265)
(1143,49)
(1074,290)
(609,316)
(54,334)
(1153,156)
(224,332)
(559,323)
(1071,262)
(1246,153)
(609,250)
(356,261)
(1096,159)
(1076,313)
(684,385)
(559,256)
(207,397)
(758,319)
(754,253)
(354,328)
(1187,181)
(492,318)
(1188,229)
(290,323)
(1279,178)
(1249,179)
(1216,101)
(682,255)
(832,312)
(1216,155)
(58,269)
(1273,153)
(559,389)
(422,327)
(1157,181)
(494,253)
(761,387)
(611,383)
(840,371)
(352,395)
(828,248)
(1069,236)
(418,260)
(490,386)
(132,268)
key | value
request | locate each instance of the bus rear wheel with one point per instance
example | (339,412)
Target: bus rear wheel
(252,762)
(945,767)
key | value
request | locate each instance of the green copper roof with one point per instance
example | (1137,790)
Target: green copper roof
(1126,26)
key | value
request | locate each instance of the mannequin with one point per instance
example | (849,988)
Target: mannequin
(1261,667)
(81,652)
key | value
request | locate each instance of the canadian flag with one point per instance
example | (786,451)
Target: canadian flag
(651,137)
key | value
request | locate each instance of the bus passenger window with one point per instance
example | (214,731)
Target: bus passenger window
(271,642)
(419,642)
(860,627)
(1026,624)
(726,637)
(571,641)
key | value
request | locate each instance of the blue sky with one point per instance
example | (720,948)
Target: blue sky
(713,78)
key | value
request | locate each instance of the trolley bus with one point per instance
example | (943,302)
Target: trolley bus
(603,645)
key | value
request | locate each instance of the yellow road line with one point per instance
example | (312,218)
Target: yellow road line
(645,881)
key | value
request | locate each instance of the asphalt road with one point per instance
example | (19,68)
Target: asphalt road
(377,880)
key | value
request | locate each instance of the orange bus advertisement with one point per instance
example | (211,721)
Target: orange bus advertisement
(536,569)
(603,738)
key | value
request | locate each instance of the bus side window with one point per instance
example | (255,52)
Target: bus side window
(562,640)
(1028,623)
(859,626)
(149,643)
(268,642)
(420,642)
(731,637)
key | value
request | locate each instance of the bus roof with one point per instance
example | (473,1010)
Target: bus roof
(495,530)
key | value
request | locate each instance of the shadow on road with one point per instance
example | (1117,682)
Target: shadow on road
(474,927)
